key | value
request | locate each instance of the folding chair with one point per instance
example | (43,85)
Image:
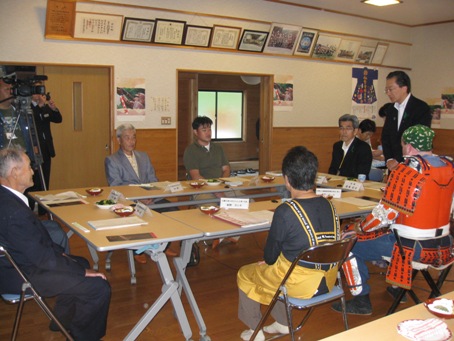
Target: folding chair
(326,254)
(27,293)
(424,269)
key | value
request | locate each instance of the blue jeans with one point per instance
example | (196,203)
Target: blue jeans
(374,250)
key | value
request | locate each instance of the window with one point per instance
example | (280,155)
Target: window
(225,108)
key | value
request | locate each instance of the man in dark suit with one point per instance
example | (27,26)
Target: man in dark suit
(45,112)
(82,295)
(406,112)
(351,156)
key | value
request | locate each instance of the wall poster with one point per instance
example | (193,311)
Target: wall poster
(364,97)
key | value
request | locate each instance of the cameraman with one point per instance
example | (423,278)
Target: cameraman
(45,112)
(13,127)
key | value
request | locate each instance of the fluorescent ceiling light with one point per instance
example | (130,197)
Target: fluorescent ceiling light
(382,2)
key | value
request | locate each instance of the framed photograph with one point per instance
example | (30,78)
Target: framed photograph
(306,42)
(252,41)
(168,32)
(137,30)
(282,38)
(197,35)
(97,26)
(225,37)
(326,46)
(348,49)
(380,52)
(365,54)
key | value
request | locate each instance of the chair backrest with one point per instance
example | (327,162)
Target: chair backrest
(5,253)
(326,253)
(376,174)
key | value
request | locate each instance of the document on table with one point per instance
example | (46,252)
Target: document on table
(361,203)
(61,196)
(245,218)
(106,224)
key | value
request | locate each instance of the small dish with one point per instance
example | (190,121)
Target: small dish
(94,191)
(124,211)
(213,182)
(268,178)
(209,209)
(197,184)
(440,307)
(105,204)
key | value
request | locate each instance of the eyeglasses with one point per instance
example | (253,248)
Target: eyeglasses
(389,90)
(345,128)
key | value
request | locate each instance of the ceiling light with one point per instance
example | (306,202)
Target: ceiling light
(382,2)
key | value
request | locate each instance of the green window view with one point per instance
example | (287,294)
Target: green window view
(225,108)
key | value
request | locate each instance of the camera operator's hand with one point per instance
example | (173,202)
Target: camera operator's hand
(52,105)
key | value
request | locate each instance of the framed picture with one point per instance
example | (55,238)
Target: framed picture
(252,41)
(137,30)
(348,49)
(225,37)
(197,35)
(168,32)
(365,54)
(282,38)
(306,42)
(380,52)
(326,46)
(97,26)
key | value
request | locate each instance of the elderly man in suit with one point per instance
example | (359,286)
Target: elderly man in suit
(406,112)
(82,295)
(351,156)
(128,166)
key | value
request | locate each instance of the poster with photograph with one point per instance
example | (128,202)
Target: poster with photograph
(131,99)
(348,49)
(364,96)
(282,38)
(283,93)
(326,46)
(306,42)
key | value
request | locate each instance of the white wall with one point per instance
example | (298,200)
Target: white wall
(322,89)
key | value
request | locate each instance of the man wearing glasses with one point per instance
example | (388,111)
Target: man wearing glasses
(351,156)
(406,112)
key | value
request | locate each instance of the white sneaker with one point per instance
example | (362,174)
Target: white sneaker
(276,328)
(246,335)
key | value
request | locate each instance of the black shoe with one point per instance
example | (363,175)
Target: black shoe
(359,305)
(394,292)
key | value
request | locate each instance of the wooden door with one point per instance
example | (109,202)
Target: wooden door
(82,140)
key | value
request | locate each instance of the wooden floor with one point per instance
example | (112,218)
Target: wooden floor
(213,282)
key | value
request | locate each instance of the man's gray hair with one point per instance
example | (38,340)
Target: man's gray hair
(349,118)
(9,157)
(123,127)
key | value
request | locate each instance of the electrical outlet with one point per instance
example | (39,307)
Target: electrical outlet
(166,121)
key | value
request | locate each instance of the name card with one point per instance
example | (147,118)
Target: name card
(321,179)
(329,192)
(141,209)
(238,203)
(174,187)
(353,186)
(115,195)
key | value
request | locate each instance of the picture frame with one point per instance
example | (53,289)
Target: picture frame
(225,37)
(97,26)
(380,52)
(327,46)
(197,35)
(168,31)
(306,42)
(365,54)
(348,49)
(135,29)
(282,38)
(253,41)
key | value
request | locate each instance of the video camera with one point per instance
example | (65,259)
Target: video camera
(25,87)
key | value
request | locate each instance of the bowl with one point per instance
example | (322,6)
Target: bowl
(268,178)
(440,307)
(197,184)
(105,204)
(94,191)
(124,211)
(209,209)
(213,182)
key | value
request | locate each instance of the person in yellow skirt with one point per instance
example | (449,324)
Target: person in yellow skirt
(304,221)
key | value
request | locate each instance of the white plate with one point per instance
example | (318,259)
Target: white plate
(105,207)
(213,183)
